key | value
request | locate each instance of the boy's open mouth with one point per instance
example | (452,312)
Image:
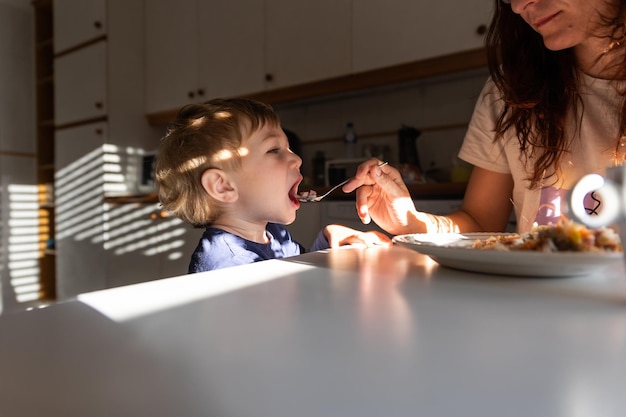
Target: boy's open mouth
(293,192)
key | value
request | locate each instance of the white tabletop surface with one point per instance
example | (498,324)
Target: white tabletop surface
(348,332)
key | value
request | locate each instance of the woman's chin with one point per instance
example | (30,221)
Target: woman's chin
(558,43)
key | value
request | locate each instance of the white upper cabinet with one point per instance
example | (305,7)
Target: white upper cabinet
(393,32)
(306,40)
(171,53)
(231,47)
(198,50)
(80,85)
(78,21)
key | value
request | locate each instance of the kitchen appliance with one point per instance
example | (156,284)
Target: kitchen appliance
(338,170)
(145,172)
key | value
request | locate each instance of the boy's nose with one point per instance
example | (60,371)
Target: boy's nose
(298,161)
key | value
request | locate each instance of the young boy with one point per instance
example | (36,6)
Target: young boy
(226,165)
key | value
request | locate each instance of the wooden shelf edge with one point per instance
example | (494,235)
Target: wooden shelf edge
(81,122)
(442,65)
(132,199)
(19,154)
(98,39)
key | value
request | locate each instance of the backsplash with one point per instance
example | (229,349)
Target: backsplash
(439,107)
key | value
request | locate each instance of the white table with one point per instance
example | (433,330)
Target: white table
(349,332)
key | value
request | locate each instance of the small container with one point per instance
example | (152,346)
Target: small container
(460,170)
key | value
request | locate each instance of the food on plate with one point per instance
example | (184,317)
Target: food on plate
(563,237)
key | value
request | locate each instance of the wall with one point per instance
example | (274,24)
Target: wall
(18,211)
(426,105)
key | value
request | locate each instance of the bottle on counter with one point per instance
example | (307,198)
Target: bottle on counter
(350,141)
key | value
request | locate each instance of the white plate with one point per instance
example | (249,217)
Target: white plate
(453,250)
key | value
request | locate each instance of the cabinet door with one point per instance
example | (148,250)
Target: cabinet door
(231,48)
(172,61)
(78,21)
(177,241)
(307,40)
(80,84)
(399,31)
(80,212)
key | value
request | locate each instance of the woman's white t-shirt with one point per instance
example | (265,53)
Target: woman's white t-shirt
(592,150)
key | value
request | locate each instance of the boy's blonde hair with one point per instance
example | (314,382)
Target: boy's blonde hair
(204,136)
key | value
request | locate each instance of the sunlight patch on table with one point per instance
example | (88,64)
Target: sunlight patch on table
(130,302)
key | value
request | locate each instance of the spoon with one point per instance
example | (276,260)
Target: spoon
(312,197)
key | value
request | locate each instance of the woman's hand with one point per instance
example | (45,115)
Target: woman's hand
(382,196)
(338,235)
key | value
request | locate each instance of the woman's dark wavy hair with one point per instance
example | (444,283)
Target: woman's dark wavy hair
(539,86)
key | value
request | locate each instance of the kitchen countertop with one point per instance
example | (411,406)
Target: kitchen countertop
(434,190)
(345,332)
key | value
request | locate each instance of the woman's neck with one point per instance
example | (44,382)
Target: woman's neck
(600,58)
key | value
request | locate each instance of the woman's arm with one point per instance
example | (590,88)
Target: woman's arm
(487,203)
(383,197)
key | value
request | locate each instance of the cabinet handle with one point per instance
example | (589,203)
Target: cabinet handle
(99,105)
(99,131)
(481,30)
(97,24)
(269,77)
(201,92)
(191,94)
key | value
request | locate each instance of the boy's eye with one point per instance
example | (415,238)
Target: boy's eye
(273,150)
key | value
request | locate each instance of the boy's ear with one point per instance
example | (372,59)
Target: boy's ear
(217,184)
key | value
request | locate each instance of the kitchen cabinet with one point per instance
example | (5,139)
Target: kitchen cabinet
(172,58)
(226,49)
(400,31)
(214,49)
(80,211)
(177,241)
(103,80)
(298,49)
(99,124)
(306,40)
(145,245)
(77,22)
(80,82)
(102,244)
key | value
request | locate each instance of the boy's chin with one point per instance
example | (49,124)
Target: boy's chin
(289,220)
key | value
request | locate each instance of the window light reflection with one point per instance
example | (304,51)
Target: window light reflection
(120,230)
(22,243)
(82,217)
(130,302)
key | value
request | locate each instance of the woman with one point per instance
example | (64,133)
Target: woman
(552,111)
